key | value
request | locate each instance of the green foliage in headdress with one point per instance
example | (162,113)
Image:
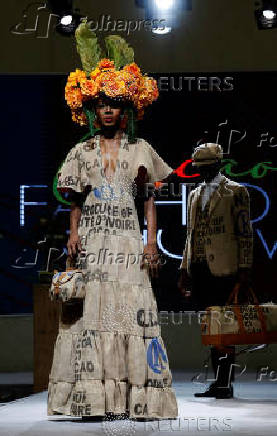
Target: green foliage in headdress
(131,126)
(116,48)
(87,46)
(119,51)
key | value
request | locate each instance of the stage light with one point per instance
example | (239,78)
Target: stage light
(266,16)
(269,14)
(164,4)
(68,24)
(166,12)
(66,19)
(69,18)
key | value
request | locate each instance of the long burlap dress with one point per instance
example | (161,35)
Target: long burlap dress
(111,357)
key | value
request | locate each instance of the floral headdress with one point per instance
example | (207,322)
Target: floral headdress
(115,75)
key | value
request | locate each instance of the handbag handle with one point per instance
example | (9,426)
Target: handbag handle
(233,297)
(70,263)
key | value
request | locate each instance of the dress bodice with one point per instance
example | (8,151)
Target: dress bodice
(109,206)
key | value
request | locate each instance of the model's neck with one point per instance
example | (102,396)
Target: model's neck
(110,132)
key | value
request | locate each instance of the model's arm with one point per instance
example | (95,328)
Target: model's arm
(74,242)
(150,214)
(151,255)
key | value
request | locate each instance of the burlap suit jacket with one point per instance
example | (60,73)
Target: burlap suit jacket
(229,234)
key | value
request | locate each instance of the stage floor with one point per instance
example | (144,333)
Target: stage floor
(253,412)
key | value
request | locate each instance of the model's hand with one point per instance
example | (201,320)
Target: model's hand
(184,283)
(151,259)
(73,244)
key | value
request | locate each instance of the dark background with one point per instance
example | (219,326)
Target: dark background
(37,133)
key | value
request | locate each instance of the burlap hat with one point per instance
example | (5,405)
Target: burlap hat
(206,154)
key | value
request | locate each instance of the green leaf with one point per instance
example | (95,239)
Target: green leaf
(87,46)
(119,51)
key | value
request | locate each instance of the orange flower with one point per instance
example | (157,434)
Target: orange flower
(133,68)
(106,77)
(106,64)
(114,88)
(127,83)
(73,97)
(112,84)
(76,76)
(95,73)
(89,88)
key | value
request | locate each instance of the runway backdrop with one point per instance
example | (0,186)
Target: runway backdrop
(37,132)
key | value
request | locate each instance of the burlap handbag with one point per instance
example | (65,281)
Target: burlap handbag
(68,285)
(237,324)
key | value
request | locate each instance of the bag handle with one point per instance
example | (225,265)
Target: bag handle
(233,297)
(70,263)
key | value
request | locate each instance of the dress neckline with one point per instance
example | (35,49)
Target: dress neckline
(102,169)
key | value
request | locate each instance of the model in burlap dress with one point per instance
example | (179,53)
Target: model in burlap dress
(111,357)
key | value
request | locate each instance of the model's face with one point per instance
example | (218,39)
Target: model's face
(108,112)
